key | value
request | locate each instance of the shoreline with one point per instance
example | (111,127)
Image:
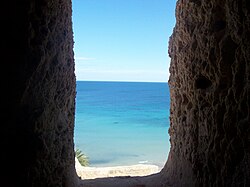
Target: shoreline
(115,171)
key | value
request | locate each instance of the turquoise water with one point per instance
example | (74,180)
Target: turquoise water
(122,123)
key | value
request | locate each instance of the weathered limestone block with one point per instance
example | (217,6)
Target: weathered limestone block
(209,86)
(38,136)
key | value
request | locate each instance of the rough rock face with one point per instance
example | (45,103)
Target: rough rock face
(209,85)
(38,136)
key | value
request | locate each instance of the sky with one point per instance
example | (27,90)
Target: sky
(122,40)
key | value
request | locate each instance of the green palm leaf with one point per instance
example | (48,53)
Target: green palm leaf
(82,158)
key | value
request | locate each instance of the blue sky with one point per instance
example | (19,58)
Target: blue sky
(122,40)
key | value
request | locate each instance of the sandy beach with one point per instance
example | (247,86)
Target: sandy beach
(116,171)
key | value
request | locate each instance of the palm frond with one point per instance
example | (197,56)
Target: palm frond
(82,158)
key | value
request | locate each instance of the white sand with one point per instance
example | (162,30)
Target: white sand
(103,172)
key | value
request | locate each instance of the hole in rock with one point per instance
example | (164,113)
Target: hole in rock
(219,25)
(122,102)
(202,82)
(197,2)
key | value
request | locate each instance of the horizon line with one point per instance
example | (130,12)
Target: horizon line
(121,81)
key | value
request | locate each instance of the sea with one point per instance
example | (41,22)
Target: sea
(122,123)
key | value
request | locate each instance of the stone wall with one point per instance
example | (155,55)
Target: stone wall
(209,85)
(40,93)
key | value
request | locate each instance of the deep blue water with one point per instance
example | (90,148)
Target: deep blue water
(122,123)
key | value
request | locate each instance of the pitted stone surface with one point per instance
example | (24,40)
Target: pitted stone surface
(209,86)
(41,87)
